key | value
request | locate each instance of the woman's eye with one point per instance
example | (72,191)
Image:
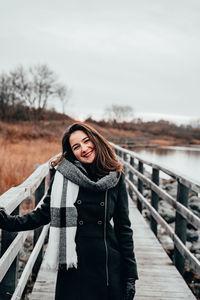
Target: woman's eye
(86,140)
(75,148)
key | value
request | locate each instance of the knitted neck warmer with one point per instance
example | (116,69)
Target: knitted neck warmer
(61,250)
(74,174)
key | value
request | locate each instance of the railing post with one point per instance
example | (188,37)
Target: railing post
(38,196)
(180,226)
(154,199)
(8,284)
(140,185)
(125,158)
(131,176)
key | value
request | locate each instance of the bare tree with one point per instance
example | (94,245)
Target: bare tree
(30,91)
(19,85)
(43,85)
(119,113)
(64,94)
(4,95)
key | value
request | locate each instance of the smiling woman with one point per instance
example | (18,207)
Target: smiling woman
(79,141)
(82,147)
(94,257)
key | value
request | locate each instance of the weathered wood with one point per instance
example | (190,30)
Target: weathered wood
(154,199)
(156,281)
(34,180)
(44,287)
(149,297)
(12,251)
(10,201)
(28,268)
(8,283)
(131,175)
(140,185)
(180,227)
(194,263)
(13,197)
(39,193)
(181,209)
(120,153)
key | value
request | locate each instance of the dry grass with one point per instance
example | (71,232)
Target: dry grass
(24,145)
(19,159)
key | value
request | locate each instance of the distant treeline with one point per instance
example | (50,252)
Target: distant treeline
(25,93)
(20,112)
(155,128)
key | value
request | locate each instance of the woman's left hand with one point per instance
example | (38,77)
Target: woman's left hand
(129,289)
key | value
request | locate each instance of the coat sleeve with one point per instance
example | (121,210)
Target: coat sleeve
(124,233)
(38,217)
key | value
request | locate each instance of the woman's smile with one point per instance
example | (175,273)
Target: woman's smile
(82,147)
(88,154)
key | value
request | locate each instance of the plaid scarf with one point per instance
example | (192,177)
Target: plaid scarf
(61,249)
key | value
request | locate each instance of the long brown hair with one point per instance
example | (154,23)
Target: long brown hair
(105,159)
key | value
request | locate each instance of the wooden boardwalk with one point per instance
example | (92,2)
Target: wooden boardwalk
(158,278)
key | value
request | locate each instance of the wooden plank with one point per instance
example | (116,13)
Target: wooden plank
(28,268)
(44,287)
(154,199)
(171,297)
(34,180)
(158,279)
(168,294)
(185,212)
(193,261)
(181,226)
(14,196)
(12,251)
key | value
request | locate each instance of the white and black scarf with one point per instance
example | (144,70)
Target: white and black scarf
(61,250)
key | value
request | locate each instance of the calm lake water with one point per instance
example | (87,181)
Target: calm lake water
(181,159)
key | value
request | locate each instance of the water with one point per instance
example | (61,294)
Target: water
(182,159)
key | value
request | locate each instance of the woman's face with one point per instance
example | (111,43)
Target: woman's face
(82,147)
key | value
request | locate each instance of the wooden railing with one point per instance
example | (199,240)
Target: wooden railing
(11,243)
(136,179)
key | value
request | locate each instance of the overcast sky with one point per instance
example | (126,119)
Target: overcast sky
(142,53)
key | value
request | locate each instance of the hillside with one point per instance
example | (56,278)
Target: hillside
(143,133)
(24,145)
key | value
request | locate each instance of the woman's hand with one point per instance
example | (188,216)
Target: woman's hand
(129,291)
(55,161)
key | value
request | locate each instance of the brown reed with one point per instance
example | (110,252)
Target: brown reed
(19,159)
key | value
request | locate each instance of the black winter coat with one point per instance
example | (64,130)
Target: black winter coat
(104,243)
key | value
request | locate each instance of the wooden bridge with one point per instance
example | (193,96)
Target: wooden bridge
(160,278)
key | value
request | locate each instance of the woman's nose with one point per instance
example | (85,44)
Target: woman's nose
(83,148)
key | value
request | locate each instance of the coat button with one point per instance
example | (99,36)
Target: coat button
(99,222)
(81,222)
(102,203)
(79,201)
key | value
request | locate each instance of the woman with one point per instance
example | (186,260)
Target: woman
(90,240)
